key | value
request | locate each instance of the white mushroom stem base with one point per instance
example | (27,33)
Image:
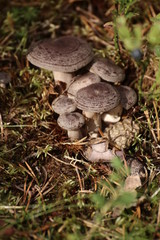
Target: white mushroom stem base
(95,156)
(114,115)
(2,85)
(63,77)
(74,134)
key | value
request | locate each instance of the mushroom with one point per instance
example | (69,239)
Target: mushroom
(132,182)
(82,81)
(114,115)
(63,56)
(138,173)
(63,104)
(107,70)
(98,151)
(72,122)
(96,99)
(137,168)
(128,96)
(5,78)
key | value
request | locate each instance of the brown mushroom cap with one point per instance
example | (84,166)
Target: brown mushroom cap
(64,54)
(97,97)
(107,70)
(128,96)
(63,104)
(83,81)
(71,121)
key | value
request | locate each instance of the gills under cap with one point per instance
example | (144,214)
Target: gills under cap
(64,54)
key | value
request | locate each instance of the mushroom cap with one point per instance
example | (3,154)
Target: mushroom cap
(128,96)
(97,97)
(107,70)
(63,104)
(83,81)
(5,77)
(64,54)
(71,121)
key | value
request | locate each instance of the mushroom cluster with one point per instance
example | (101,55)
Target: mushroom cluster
(94,97)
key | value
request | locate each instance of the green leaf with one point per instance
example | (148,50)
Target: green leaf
(154,33)
(117,163)
(98,199)
(125,199)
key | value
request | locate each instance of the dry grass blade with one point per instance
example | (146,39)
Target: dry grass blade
(1,125)
(157,121)
(158,215)
(146,112)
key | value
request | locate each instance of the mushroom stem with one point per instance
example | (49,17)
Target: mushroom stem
(113,116)
(63,77)
(2,85)
(95,156)
(88,114)
(74,134)
(94,121)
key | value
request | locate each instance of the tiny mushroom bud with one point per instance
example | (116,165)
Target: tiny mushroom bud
(72,122)
(96,99)
(63,56)
(107,70)
(128,96)
(5,78)
(82,81)
(63,104)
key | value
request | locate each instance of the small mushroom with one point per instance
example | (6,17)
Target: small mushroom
(128,96)
(63,104)
(96,99)
(63,56)
(72,122)
(98,151)
(114,115)
(5,78)
(132,182)
(107,70)
(137,168)
(82,81)
(138,173)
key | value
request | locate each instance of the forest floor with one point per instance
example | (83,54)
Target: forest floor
(48,190)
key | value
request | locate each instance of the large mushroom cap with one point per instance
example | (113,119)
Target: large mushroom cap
(63,104)
(107,70)
(64,54)
(97,97)
(128,96)
(71,121)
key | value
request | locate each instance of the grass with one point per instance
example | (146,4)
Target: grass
(47,189)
